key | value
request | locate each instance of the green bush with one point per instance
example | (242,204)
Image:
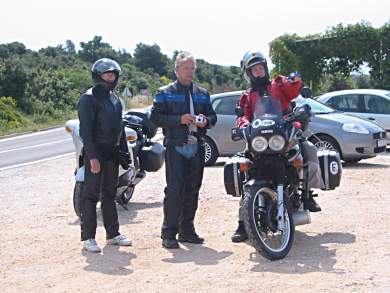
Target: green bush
(10,117)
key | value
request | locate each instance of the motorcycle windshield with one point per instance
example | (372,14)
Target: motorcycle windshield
(267,107)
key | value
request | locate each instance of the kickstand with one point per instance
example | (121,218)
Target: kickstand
(122,204)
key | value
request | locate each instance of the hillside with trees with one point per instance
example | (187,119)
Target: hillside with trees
(40,88)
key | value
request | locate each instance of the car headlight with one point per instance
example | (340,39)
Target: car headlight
(259,144)
(276,142)
(354,128)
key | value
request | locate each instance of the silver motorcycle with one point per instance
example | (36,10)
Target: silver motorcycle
(145,156)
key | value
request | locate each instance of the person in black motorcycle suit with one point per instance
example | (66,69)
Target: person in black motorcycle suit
(183,109)
(255,70)
(101,129)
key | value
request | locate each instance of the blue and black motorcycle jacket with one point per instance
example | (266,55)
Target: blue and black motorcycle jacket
(171,102)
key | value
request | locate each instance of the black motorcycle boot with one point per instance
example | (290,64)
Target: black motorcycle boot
(240,234)
(191,238)
(170,243)
(311,205)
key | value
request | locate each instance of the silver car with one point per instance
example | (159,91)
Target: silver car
(353,138)
(369,104)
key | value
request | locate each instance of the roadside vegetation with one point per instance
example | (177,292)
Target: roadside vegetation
(41,88)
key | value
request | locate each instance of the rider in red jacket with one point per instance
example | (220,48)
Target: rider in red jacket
(255,69)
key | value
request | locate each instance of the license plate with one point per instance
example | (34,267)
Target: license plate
(381,142)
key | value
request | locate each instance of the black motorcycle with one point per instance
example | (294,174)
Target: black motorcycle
(271,176)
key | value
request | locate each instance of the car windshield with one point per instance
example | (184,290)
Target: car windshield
(316,107)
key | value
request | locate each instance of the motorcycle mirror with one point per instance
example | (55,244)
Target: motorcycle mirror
(305,108)
(239,111)
(236,134)
(306,92)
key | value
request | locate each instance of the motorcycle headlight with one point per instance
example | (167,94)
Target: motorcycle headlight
(354,128)
(276,142)
(259,144)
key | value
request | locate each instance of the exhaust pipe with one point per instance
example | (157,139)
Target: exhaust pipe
(301,218)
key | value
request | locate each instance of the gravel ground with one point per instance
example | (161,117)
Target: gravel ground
(345,249)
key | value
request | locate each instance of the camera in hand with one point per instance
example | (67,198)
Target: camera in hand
(199,119)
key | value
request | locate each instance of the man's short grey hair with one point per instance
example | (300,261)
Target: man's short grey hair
(183,56)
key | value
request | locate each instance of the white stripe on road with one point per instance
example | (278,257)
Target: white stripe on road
(32,134)
(35,146)
(35,162)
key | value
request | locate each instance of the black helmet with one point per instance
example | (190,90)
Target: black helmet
(105,65)
(250,59)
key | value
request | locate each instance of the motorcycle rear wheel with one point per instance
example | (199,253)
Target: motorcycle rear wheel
(78,187)
(259,213)
(125,196)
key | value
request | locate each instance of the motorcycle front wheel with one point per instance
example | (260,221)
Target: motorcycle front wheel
(260,218)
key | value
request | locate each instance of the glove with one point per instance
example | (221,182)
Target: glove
(124,159)
(293,76)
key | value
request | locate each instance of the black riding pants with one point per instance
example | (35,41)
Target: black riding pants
(184,179)
(105,182)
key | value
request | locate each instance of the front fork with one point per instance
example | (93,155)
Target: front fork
(281,207)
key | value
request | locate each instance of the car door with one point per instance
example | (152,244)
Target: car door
(349,103)
(225,106)
(377,109)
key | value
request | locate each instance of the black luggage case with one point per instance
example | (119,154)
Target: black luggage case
(233,178)
(152,156)
(331,168)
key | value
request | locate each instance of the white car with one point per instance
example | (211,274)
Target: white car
(370,104)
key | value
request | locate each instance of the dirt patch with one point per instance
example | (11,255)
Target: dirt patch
(345,249)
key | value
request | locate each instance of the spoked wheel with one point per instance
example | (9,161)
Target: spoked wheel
(210,152)
(324,142)
(261,223)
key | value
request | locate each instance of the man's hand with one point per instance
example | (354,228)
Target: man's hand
(187,119)
(95,166)
(204,123)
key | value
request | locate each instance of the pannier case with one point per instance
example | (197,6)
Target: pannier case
(331,168)
(232,176)
(152,157)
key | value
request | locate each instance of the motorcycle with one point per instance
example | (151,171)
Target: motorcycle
(144,156)
(272,176)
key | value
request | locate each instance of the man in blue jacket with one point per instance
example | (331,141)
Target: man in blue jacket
(183,109)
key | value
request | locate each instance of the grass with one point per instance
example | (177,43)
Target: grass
(38,123)
(32,125)
(138,102)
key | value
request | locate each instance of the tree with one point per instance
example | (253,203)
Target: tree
(13,80)
(147,56)
(95,49)
(340,50)
(70,47)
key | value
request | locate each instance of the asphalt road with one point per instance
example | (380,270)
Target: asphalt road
(34,147)
(39,146)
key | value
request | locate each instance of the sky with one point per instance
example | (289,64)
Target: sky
(219,32)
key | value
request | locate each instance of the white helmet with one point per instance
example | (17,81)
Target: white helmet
(250,59)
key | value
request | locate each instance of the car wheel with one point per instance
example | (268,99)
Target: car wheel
(325,142)
(210,152)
